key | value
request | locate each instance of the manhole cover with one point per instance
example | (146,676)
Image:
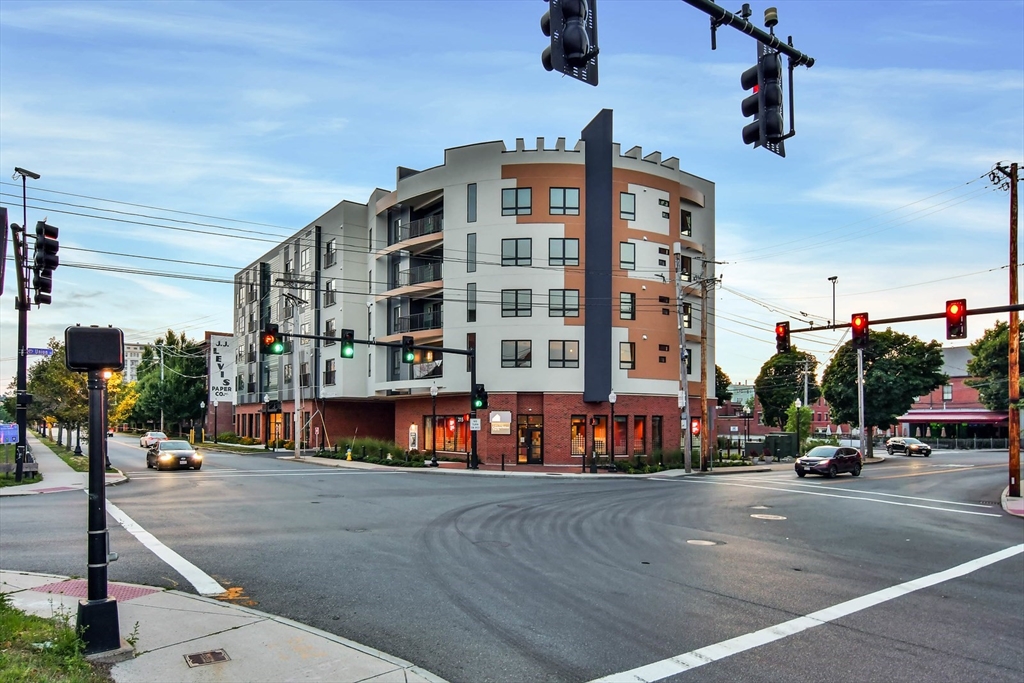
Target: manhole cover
(767,517)
(701,542)
(209,657)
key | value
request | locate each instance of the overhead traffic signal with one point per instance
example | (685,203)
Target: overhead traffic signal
(478,400)
(271,343)
(764,79)
(46,260)
(572,27)
(408,354)
(782,337)
(859,325)
(956,319)
(348,343)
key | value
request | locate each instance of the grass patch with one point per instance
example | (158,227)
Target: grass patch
(43,650)
(79,463)
(7,479)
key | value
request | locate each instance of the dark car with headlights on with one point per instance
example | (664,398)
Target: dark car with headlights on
(172,455)
(907,446)
(829,461)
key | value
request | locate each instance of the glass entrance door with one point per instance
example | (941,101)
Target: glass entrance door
(531,440)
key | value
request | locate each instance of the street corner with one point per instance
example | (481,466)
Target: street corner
(1013,505)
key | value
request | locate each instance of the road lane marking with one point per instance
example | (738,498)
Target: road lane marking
(890,495)
(947,469)
(200,580)
(836,495)
(712,653)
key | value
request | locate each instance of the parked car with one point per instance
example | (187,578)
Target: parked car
(907,446)
(173,455)
(829,461)
(149,438)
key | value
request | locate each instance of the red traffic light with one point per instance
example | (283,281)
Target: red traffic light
(956,319)
(859,325)
(782,337)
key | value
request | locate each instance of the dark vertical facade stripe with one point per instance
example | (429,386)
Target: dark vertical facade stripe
(597,334)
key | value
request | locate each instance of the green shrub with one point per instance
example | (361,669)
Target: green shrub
(228,437)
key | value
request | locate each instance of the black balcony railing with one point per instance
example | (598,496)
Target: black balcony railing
(429,320)
(413,276)
(417,228)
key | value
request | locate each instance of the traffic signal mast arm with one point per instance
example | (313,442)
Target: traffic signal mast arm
(910,318)
(721,17)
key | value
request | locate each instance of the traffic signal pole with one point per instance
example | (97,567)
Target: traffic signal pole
(22,399)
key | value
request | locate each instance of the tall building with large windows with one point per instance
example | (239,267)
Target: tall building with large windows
(575,281)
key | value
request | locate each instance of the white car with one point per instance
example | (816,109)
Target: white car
(150,439)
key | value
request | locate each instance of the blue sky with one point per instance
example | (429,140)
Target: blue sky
(258,117)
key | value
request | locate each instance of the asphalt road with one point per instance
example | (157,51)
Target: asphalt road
(556,579)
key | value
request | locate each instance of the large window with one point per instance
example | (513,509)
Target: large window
(330,331)
(471,203)
(516,303)
(627,255)
(304,259)
(330,294)
(563,252)
(516,201)
(471,252)
(517,252)
(516,353)
(687,318)
(685,223)
(304,329)
(330,372)
(684,264)
(578,434)
(655,432)
(471,302)
(627,206)
(330,253)
(639,435)
(563,354)
(627,306)
(565,201)
(947,392)
(627,356)
(563,303)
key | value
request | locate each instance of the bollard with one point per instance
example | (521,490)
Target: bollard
(364,451)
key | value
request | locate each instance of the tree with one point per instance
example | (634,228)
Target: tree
(722,383)
(172,380)
(897,369)
(781,382)
(806,416)
(58,394)
(121,399)
(990,367)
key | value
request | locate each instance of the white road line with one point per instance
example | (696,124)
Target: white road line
(835,495)
(202,581)
(216,474)
(712,653)
(888,495)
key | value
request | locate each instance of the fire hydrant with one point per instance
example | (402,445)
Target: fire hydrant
(348,453)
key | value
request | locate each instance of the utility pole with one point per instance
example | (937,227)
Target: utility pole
(1010,177)
(684,376)
(23,305)
(161,347)
(705,464)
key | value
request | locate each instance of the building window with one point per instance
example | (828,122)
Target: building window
(517,252)
(563,303)
(655,432)
(304,259)
(563,354)
(304,379)
(470,346)
(687,318)
(563,252)
(664,300)
(330,372)
(663,359)
(330,253)
(663,347)
(663,202)
(947,392)
(627,255)
(685,223)
(471,203)
(565,201)
(516,354)
(578,434)
(619,435)
(288,373)
(687,356)
(516,201)
(627,356)
(330,331)
(684,265)
(627,306)
(471,252)
(639,435)
(329,293)
(304,329)
(627,206)
(516,303)
(471,302)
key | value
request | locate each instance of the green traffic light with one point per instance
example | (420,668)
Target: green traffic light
(409,356)
(477,403)
(347,351)
(277,348)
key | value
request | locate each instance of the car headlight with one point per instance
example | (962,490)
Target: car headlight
(167,456)
(197,456)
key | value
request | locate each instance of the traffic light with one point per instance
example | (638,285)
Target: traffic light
(764,103)
(572,27)
(695,426)
(408,354)
(859,325)
(348,343)
(956,319)
(479,398)
(271,343)
(782,337)
(46,260)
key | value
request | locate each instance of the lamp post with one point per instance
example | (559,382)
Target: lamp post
(798,404)
(78,438)
(266,411)
(215,421)
(202,408)
(746,429)
(433,425)
(833,281)
(611,449)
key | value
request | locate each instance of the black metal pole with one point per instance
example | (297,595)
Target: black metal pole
(611,440)
(97,617)
(472,411)
(78,438)
(215,411)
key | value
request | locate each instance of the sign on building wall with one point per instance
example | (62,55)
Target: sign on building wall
(501,422)
(221,369)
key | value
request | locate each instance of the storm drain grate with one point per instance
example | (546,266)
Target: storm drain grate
(209,657)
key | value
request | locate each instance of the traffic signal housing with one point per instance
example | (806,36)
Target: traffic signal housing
(764,103)
(479,398)
(572,27)
(46,260)
(271,343)
(348,343)
(956,319)
(695,426)
(782,337)
(408,354)
(859,325)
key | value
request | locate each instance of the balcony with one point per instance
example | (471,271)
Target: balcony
(417,228)
(430,272)
(428,320)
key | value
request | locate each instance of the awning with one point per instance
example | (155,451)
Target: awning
(954,416)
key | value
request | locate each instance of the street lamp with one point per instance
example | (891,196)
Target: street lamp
(746,428)
(433,425)
(215,421)
(266,411)
(833,281)
(611,450)
(798,404)
(202,408)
